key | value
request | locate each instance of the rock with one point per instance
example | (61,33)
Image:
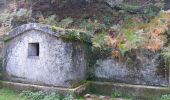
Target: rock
(102,97)
(87,96)
(96,97)
(119,99)
(113,3)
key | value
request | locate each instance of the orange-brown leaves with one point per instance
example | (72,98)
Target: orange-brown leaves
(116,53)
(158,31)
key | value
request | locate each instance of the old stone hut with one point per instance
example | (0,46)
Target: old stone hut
(38,55)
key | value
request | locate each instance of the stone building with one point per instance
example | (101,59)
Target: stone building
(38,55)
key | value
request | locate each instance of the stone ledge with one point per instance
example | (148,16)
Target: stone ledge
(47,89)
(139,91)
(102,88)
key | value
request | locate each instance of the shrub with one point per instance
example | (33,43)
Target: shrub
(69,97)
(122,95)
(165,97)
(41,96)
(91,26)
(52,96)
(32,95)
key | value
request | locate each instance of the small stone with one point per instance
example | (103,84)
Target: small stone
(93,96)
(119,99)
(87,96)
(102,97)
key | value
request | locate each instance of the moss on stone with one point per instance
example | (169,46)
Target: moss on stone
(72,34)
(6,39)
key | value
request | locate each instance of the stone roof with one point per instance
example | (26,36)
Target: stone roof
(40,27)
(31,26)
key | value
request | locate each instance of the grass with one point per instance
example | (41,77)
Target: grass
(7,94)
(122,95)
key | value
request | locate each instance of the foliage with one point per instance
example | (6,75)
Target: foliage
(122,95)
(151,11)
(98,40)
(65,22)
(55,28)
(73,34)
(7,94)
(165,97)
(134,33)
(69,97)
(122,48)
(107,21)
(132,39)
(41,96)
(6,18)
(50,20)
(5,38)
(91,26)
(166,53)
(53,20)
(22,15)
(52,96)
(147,9)
(32,96)
(76,35)
(129,7)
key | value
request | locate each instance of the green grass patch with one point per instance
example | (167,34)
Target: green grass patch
(7,94)
(122,95)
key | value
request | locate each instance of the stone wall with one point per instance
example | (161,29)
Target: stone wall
(147,68)
(3,3)
(167,5)
(2,54)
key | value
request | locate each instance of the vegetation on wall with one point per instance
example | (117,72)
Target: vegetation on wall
(73,34)
(134,33)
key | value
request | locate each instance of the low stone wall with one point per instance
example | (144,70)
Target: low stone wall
(77,91)
(138,91)
(101,88)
